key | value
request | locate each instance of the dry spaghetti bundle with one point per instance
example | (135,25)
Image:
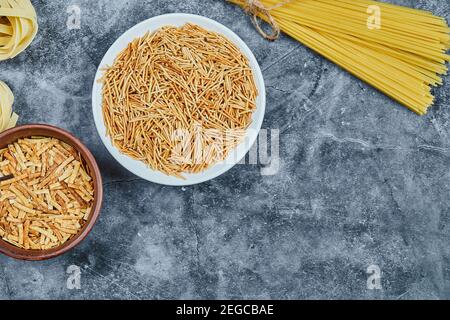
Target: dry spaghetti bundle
(178,99)
(400,51)
(18,27)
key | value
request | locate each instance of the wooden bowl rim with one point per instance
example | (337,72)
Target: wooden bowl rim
(54,132)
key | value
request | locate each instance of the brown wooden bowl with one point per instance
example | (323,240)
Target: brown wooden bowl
(26,131)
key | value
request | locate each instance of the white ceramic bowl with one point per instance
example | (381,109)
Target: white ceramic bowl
(139,168)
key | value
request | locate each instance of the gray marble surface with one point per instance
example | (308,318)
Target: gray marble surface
(362,181)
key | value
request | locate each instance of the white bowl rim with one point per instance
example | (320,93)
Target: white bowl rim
(141,169)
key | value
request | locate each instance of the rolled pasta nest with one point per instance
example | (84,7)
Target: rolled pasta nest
(179,99)
(18,27)
(8,119)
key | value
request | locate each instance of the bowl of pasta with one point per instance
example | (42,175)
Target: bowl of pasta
(50,192)
(179,99)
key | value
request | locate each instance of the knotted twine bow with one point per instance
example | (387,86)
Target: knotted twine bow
(255,8)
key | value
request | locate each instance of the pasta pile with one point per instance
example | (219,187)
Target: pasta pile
(179,99)
(400,51)
(8,119)
(46,193)
(18,27)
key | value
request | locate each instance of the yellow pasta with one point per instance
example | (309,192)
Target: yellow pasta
(8,119)
(18,27)
(398,50)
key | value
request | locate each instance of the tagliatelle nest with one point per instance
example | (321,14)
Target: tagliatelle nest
(18,27)
(46,193)
(179,99)
(8,119)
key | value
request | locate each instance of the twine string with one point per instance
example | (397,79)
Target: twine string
(255,8)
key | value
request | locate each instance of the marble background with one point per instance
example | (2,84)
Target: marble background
(362,181)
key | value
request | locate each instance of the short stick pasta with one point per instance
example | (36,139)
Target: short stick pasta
(179,99)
